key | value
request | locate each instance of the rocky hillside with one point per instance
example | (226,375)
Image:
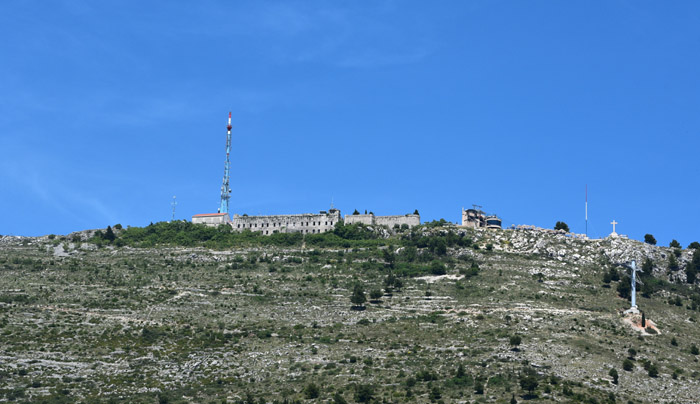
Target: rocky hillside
(177,313)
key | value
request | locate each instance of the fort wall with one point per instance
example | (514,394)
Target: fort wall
(389,221)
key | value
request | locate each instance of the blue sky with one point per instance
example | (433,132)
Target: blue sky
(108,109)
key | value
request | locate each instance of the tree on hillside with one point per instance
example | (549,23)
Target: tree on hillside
(672,263)
(358,297)
(437,268)
(415,212)
(561,226)
(674,244)
(515,341)
(694,245)
(311,391)
(339,399)
(528,382)
(653,371)
(109,234)
(649,239)
(691,270)
(624,289)
(390,257)
(627,365)
(647,266)
(613,373)
(364,393)
(375,295)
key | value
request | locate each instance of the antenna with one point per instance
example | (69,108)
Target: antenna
(225,189)
(332,207)
(586,210)
(173,204)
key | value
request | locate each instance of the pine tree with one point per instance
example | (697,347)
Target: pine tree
(109,234)
(644,320)
(358,297)
(672,263)
(648,266)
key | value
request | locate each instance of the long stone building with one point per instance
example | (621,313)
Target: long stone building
(307,223)
(389,221)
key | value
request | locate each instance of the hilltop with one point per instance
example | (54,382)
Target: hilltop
(176,312)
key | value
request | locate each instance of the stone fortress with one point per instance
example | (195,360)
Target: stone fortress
(313,223)
(307,223)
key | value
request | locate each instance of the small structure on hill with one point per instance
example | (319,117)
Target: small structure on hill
(614,233)
(477,219)
(211,219)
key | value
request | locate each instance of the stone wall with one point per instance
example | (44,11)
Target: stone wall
(389,221)
(362,219)
(304,223)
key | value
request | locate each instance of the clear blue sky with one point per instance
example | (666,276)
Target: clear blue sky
(109,108)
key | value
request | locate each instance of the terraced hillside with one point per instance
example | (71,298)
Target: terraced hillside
(452,315)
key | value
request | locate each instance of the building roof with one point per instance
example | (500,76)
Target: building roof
(210,214)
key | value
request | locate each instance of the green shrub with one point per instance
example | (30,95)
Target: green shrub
(364,393)
(437,268)
(627,365)
(311,391)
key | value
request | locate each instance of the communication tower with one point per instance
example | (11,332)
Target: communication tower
(225,188)
(173,204)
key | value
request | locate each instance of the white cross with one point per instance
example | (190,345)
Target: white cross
(614,223)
